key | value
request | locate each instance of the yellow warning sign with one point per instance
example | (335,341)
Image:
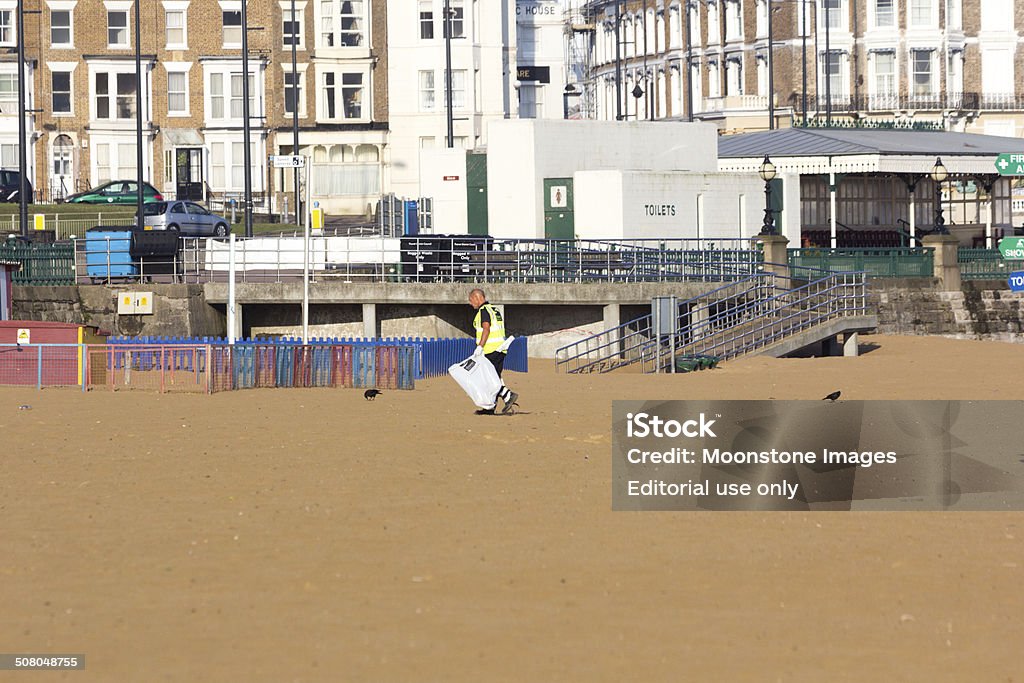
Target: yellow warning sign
(24,336)
(39,221)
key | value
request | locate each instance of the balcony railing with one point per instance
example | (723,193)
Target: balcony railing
(882,102)
(736,102)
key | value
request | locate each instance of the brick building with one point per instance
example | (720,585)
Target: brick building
(955,64)
(82,96)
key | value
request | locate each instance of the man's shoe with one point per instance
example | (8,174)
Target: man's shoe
(485,411)
(509,402)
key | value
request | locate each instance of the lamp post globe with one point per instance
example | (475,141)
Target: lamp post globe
(938,174)
(767,172)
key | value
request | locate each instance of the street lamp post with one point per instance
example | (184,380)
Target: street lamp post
(246,131)
(767,173)
(771,69)
(689,66)
(939,174)
(618,61)
(139,194)
(295,108)
(448,72)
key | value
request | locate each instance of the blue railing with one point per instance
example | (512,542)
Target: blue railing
(433,357)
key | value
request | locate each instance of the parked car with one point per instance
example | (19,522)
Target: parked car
(115,192)
(10,186)
(187,218)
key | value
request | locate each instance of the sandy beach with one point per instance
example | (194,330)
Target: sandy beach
(310,535)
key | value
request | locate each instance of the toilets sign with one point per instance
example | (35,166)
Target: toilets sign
(1010,164)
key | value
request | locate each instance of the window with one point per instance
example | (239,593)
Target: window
(343,23)
(342,95)
(115,95)
(997,15)
(426,20)
(8,93)
(733,20)
(885,14)
(675,30)
(831,69)
(713,29)
(176,28)
(177,92)
(217,165)
(832,13)
(232,28)
(954,19)
(427,91)
(60,87)
(885,73)
(60,28)
(293,27)
(920,12)
(922,74)
(226,96)
(293,93)
(459,89)
(457,20)
(117,29)
(7,31)
(102,153)
(761,12)
(733,77)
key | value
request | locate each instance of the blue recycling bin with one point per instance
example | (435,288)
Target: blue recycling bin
(108,252)
(412,219)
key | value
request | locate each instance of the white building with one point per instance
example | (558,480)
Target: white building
(482,70)
(540,59)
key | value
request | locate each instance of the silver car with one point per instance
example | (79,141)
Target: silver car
(187,218)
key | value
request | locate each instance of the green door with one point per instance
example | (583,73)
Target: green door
(558,218)
(476,193)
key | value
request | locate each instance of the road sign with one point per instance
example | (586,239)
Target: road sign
(288,161)
(1017,281)
(1012,247)
(1010,164)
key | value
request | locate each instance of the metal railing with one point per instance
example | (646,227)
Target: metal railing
(41,264)
(206,368)
(727,322)
(892,262)
(985,264)
(425,259)
(973,101)
(67,226)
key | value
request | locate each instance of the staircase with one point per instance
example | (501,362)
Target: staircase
(765,313)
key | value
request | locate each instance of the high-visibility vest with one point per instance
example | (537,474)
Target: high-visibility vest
(497,336)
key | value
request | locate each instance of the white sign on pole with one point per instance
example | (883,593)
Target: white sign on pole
(288,161)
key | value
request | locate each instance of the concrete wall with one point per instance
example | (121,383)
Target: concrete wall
(178,310)
(521,154)
(980,310)
(443,177)
(658,204)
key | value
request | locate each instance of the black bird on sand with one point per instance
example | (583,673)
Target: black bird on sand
(833,396)
(371,394)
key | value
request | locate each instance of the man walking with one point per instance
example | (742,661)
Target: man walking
(490,336)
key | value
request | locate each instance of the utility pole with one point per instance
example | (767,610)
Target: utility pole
(448,71)
(246,132)
(139,198)
(295,112)
(22,151)
(803,54)
(828,66)
(771,69)
(618,60)
(689,66)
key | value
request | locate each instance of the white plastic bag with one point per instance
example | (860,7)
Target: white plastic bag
(479,379)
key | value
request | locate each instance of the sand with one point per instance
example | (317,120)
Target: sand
(310,535)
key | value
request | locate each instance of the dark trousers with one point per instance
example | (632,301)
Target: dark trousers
(497,359)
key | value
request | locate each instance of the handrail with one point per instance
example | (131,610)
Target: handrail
(728,321)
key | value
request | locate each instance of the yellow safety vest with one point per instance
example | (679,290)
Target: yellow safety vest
(497,336)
